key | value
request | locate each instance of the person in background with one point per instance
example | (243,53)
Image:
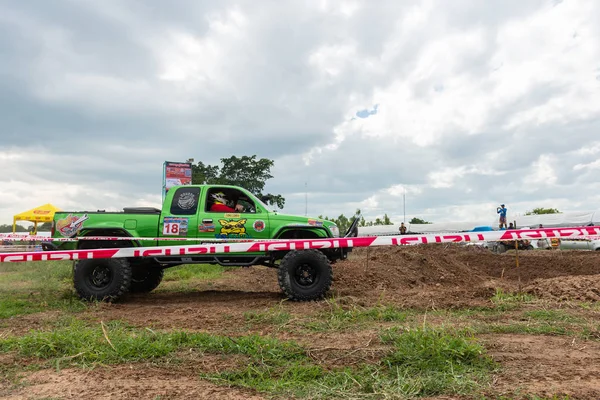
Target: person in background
(511,226)
(541,226)
(502,211)
(402,228)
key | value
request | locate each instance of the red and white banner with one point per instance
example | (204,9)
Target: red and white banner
(37,238)
(488,236)
(300,244)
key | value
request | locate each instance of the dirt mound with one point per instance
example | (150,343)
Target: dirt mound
(583,288)
(451,272)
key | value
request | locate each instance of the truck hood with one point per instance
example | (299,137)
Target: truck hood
(299,220)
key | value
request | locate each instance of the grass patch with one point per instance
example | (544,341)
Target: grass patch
(340,317)
(15,306)
(76,343)
(506,301)
(276,317)
(193,271)
(32,287)
(526,329)
(35,276)
(419,362)
(551,316)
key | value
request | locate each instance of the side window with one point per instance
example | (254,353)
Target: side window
(214,198)
(248,205)
(185,201)
(226,199)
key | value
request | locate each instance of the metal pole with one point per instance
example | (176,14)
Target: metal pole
(306,198)
(404,205)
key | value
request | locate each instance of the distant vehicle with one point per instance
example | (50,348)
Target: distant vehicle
(572,244)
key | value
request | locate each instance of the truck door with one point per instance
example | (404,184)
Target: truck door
(216,223)
(180,220)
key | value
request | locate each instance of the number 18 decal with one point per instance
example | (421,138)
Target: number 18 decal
(171,229)
(175,226)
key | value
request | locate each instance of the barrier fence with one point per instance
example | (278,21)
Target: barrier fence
(254,246)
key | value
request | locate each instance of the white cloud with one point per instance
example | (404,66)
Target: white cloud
(591,165)
(541,174)
(96,96)
(589,149)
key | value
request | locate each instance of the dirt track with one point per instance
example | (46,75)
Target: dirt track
(421,277)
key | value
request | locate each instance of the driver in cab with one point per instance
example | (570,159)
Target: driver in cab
(220,204)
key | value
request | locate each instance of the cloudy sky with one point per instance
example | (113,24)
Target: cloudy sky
(461,104)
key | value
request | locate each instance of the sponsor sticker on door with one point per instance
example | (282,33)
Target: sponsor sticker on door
(259,225)
(175,226)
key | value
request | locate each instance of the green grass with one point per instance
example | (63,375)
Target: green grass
(551,316)
(275,317)
(20,306)
(418,362)
(34,276)
(526,329)
(437,359)
(76,343)
(501,297)
(32,287)
(340,317)
(506,301)
(193,271)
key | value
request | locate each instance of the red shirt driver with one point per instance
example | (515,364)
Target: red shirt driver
(220,207)
(220,203)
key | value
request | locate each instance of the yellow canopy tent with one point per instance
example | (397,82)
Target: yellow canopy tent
(43,213)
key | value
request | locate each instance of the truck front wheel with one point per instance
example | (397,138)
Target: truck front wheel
(102,280)
(305,275)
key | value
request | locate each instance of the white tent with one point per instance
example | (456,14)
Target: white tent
(570,218)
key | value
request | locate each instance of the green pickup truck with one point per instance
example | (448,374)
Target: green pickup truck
(196,212)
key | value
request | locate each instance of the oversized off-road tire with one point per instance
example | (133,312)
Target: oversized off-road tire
(145,277)
(102,280)
(305,275)
(529,247)
(500,248)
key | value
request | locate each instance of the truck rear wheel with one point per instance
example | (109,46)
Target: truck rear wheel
(305,275)
(145,277)
(102,280)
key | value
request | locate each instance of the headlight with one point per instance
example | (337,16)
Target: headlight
(334,230)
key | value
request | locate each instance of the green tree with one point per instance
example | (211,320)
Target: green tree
(416,220)
(45,227)
(358,214)
(7,228)
(344,222)
(386,220)
(247,172)
(540,210)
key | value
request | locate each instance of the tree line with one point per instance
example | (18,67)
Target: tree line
(7,228)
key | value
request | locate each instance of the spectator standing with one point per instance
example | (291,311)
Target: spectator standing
(402,228)
(502,212)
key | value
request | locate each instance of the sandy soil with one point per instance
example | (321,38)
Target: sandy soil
(421,277)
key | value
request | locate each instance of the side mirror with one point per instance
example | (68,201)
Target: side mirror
(353,229)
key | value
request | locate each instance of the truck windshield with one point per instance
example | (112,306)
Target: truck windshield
(259,201)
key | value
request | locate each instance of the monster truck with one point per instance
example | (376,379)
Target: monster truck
(186,213)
